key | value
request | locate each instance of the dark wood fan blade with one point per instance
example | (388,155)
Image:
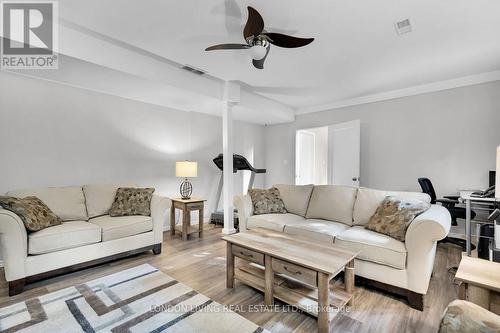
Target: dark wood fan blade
(260,63)
(255,24)
(227,47)
(282,40)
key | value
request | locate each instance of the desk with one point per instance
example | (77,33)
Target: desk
(465,196)
(480,280)
(187,205)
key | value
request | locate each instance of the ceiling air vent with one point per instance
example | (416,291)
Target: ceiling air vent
(403,27)
(192,69)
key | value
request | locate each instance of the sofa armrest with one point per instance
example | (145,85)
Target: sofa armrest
(243,204)
(160,206)
(421,238)
(14,245)
(432,225)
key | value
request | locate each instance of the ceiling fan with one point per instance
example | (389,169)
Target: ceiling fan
(259,40)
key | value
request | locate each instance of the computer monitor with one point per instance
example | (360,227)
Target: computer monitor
(492,178)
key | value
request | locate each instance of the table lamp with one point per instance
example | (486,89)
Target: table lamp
(186,169)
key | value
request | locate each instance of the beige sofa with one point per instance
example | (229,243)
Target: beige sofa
(337,214)
(87,236)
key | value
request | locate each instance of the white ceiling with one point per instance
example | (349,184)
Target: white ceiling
(356,51)
(134,49)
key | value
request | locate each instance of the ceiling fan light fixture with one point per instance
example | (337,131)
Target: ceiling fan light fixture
(257,52)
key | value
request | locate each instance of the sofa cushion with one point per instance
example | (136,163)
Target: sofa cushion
(332,202)
(122,226)
(368,200)
(393,216)
(275,222)
(99,198)
(131,201)
(64,236)
(267,201)
(374,247)
(295,197)
(32,211)
(66,202)
(317,230)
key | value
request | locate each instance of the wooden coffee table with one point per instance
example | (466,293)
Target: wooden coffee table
(296,271)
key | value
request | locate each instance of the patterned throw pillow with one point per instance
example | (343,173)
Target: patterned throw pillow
(393,216)
(267,201)
(132,201)
(32,211)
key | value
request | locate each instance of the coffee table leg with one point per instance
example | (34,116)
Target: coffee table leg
(269,279)
(349,280)
(229,265)
(323,303)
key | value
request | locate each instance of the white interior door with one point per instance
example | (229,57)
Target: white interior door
(344,153)
(304,161)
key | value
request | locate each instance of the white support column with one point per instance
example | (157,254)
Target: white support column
(231,96)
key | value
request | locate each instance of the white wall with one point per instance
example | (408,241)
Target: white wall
(55,135)
(449,136)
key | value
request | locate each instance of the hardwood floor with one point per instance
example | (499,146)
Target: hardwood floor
(200,264)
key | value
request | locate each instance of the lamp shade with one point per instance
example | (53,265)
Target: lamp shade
(186,169)
(497,175)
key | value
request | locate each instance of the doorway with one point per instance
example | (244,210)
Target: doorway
(328,155)
(311,163)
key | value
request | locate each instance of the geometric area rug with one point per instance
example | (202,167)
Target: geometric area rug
(140,299)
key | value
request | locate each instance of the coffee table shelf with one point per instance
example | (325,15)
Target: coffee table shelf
(293,292)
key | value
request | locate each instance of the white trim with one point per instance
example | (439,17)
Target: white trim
(411,91)
(1,263)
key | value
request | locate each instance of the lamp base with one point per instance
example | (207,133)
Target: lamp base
(186,189)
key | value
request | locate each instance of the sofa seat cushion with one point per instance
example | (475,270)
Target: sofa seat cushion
(275,222)
(66,202)
(295,197)
(374,247)
(317,230)
(64,236)
(333,203)
(122,226)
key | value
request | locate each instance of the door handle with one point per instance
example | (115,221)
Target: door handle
(354,179)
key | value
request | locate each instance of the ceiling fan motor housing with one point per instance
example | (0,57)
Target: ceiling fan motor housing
(258,47)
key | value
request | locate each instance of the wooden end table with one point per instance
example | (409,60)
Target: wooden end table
(295,271)
(480,280)
(187,206)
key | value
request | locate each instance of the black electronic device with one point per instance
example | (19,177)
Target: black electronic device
(488,193)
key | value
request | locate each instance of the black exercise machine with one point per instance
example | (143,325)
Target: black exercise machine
(239,163)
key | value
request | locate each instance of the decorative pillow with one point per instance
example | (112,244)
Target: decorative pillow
(132,201)
(267,201)
(393,216)
(32,211)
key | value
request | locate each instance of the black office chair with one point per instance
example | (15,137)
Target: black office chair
(449,203)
